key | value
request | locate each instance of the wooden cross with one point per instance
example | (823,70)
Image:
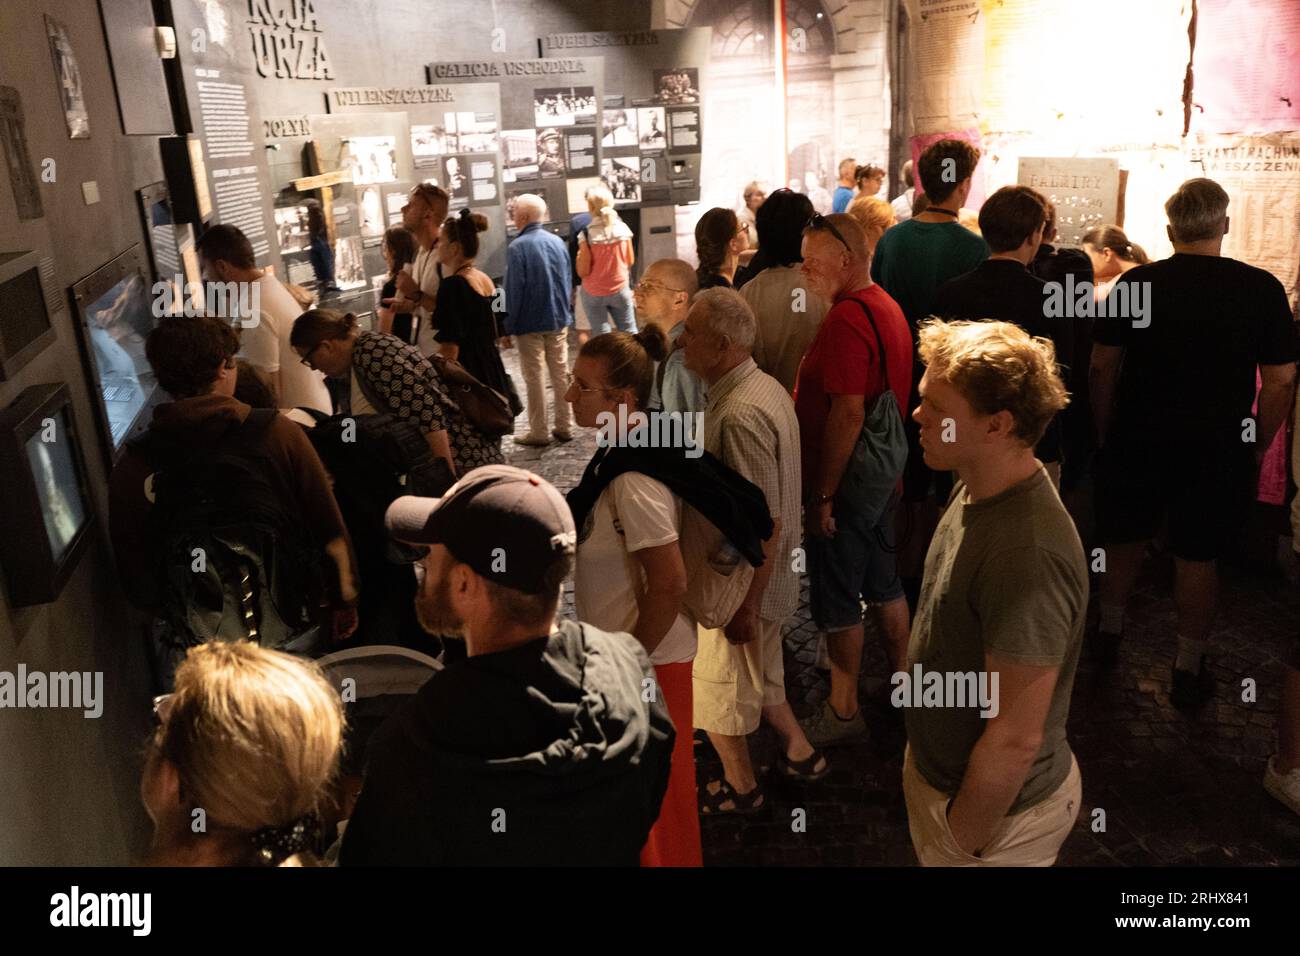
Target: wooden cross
(322,182)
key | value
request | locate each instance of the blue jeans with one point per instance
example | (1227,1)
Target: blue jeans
(600,308)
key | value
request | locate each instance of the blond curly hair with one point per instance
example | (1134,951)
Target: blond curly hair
(997,366)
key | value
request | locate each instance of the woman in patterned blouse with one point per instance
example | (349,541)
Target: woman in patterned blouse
(384,374)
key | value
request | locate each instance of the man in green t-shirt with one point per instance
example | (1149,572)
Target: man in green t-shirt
(989,777)
(911,262)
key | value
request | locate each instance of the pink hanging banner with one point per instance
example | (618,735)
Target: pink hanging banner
(1246,66)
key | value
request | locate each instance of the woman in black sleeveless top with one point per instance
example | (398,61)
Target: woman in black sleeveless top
(467,329)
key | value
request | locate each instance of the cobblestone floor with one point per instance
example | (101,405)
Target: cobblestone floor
(1175,790)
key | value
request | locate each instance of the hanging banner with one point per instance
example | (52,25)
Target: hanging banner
(948,53)
(1246,66)
(1262,177)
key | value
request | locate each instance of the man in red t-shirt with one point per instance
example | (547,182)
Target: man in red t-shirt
(850,556)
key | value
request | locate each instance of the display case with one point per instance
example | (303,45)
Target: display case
(48,517)
(25,324)
(116,316)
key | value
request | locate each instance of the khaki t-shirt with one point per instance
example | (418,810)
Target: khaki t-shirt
(1006,575)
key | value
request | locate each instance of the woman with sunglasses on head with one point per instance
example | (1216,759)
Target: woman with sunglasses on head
(241,769)
(720,238)
(371,372)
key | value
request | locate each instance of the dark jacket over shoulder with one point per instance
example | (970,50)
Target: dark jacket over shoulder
(544,754)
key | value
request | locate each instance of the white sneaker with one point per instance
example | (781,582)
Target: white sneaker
(1283,786)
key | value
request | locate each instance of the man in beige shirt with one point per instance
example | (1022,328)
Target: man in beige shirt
(788,313)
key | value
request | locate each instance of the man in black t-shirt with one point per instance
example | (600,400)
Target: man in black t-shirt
(1002,288)
(540,746)
(1066,268)
(1172,388)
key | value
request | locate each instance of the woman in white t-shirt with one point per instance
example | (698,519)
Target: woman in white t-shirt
(629,575)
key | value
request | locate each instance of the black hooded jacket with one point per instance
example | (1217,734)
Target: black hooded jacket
(734,505)
(545,754)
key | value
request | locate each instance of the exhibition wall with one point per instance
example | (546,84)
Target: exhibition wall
(116,159)
(69,783)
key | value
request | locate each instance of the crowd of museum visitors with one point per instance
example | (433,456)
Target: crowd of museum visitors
(891,399)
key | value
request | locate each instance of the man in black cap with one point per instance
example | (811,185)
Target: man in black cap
(548,744)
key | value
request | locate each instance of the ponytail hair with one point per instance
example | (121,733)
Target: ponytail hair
(600,203)
(464,229)
(1113,238)
(629,359)
(713,233)
(314,327)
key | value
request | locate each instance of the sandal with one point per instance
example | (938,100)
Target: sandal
(714,804)
(803,771)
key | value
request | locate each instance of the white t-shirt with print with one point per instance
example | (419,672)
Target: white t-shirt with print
(265,346)
(607,576)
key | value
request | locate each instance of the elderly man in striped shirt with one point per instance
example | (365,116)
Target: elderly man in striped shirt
(750,424)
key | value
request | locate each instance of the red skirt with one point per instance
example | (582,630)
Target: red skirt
(674,840)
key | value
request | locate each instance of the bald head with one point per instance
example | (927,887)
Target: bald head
(675,273)
(529,208)
(663,296)
(836,256)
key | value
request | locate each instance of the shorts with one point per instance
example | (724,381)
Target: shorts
(858,563)
(1200,491)
(734,682)
(1032,837)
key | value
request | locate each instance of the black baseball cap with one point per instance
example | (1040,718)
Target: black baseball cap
(509,525)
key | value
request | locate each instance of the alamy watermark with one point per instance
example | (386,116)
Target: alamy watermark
(75,908)
(1078,300)
(225,300)
(651,430)
(946,689)
(75,690)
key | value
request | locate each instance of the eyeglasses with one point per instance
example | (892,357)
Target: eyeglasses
(650,286)
(819,222)
(306,359)
(571,382)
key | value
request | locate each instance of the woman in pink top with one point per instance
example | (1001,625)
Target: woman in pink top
(605,257)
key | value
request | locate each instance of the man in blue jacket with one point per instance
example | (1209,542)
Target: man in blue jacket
(538,313)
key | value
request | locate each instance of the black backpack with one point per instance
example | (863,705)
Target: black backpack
(234,561)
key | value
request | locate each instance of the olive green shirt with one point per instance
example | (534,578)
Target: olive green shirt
(1005,575)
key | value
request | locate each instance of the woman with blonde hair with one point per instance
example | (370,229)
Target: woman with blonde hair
(875,215)
(605,258)
(242,765)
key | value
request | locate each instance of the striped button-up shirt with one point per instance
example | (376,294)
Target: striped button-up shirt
(750,425)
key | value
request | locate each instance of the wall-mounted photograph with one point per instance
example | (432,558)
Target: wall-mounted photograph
(68,75)
(566,106)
